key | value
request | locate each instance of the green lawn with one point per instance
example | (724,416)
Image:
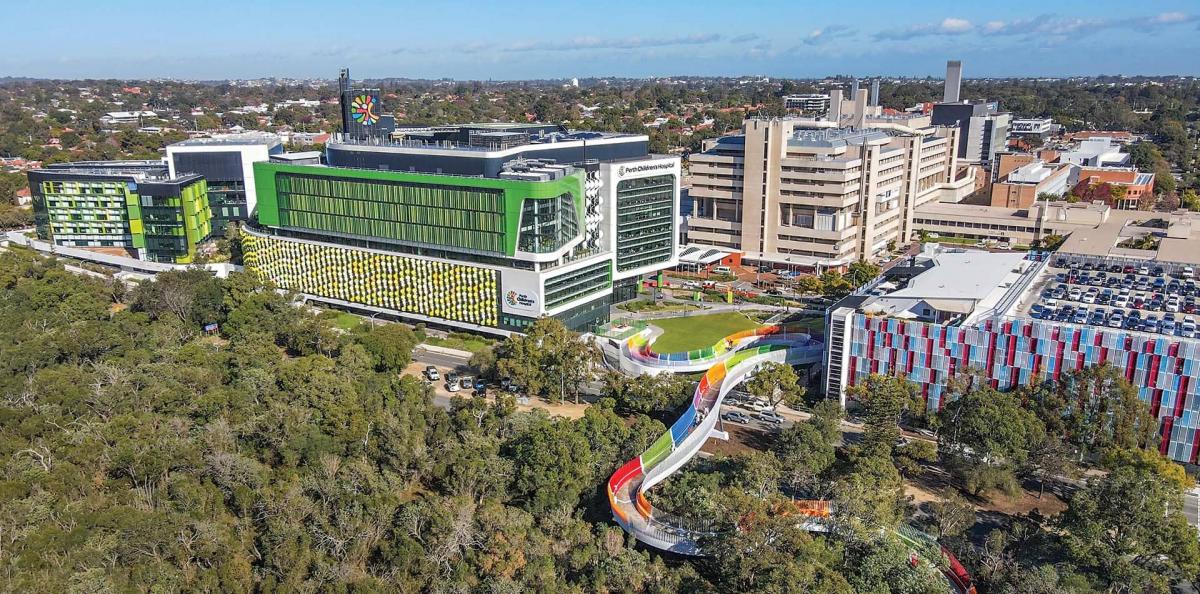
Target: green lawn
(957,240)
(649,305)
(697,332)
(817,325)
(347,321)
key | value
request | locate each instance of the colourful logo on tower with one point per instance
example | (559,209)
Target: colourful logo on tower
(362,109)
(516,299)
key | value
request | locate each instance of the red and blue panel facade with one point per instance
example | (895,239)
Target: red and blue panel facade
(1018,352)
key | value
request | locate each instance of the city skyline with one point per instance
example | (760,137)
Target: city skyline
(233,40)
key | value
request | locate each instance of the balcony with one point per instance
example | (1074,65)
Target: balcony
(707,192)
(716,224)
(713,237)
(839,177)
(701,158)
(698,169)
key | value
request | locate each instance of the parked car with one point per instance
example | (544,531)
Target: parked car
(770,417)
(1116,320)
(757,405)
(734,416)
(431,373)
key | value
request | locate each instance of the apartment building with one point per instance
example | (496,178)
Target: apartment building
(811,102)
(800,194)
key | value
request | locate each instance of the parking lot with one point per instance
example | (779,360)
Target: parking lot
(1144,298)
(740,408)
(443,395)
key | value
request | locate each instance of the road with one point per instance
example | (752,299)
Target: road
(439,359)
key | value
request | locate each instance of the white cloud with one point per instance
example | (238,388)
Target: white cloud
(827,34)
(953,25)
(1169,18)
(589,42)
(1039,26)
(948,26)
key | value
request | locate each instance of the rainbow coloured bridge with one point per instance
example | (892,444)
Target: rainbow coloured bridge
(729,362)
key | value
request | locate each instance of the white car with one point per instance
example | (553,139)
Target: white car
(757,405)
(1074,294)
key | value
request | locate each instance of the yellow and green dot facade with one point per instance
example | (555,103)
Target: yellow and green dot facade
(438,289)
(473,252)
(131,205)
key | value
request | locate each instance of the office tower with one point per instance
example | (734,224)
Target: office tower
(875,93)
(983,128)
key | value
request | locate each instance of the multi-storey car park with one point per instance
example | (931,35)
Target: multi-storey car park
(1019,319)
(132,207)
(484,227)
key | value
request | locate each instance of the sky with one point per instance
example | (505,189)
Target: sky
(511,40)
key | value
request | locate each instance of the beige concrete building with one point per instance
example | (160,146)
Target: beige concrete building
(805,194)
(1018,226)
(1176,237)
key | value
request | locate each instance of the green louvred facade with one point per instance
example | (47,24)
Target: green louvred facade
(465,213)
